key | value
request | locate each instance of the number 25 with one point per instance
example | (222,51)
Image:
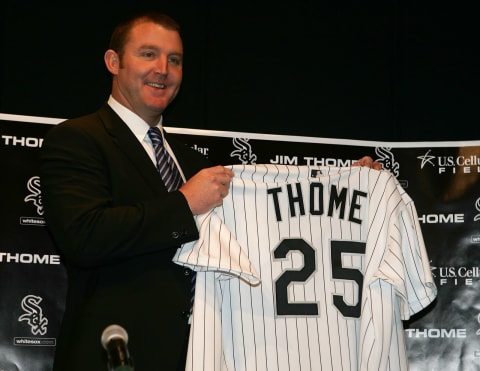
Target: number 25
(337,248)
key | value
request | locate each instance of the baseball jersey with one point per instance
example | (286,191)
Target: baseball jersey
(307,268)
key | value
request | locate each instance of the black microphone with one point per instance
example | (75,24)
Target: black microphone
(114,340)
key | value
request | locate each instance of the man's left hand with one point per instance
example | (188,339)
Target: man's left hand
(368,161)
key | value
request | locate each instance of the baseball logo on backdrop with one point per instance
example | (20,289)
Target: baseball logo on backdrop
(34,318)
(243,151)
(34,196)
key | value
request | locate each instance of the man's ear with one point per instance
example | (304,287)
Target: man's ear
(112,61)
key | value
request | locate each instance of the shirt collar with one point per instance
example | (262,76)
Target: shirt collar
(136,124)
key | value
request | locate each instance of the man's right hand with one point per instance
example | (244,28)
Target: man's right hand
(206,189)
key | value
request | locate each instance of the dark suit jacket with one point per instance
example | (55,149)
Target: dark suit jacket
(117,230)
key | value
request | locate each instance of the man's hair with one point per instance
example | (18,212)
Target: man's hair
(122,31)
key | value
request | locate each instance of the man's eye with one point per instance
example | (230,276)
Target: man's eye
(177,61)
(148,55)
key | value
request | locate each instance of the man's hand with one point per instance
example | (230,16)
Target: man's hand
(206,189)
(368,161)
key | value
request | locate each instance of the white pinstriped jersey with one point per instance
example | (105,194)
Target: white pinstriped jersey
(307,269)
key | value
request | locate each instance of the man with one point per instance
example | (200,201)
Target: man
(111,216)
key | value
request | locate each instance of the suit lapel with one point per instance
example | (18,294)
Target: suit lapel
(123,138)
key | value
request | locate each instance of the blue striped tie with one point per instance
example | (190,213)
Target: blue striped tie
(165,164)
(171,178)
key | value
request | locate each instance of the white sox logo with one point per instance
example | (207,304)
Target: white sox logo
(477,206)
(387,160)
(243,151)
(34,315)
(35,195)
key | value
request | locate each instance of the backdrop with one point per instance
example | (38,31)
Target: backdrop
(442,177)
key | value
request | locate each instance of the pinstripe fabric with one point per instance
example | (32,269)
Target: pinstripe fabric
(341,262)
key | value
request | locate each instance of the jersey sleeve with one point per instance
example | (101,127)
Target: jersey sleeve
(420,289)
(406,266)
(217,250)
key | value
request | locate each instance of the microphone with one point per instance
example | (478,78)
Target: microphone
(114,340)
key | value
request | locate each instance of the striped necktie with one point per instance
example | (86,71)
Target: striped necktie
(165,164)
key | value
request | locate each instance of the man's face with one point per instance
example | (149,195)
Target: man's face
(150,70)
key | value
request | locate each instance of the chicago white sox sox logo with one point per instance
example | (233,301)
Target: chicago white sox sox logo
(35,195)
(34,315)
(243,151)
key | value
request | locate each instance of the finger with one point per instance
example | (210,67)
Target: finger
(227,172)
(377,165)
